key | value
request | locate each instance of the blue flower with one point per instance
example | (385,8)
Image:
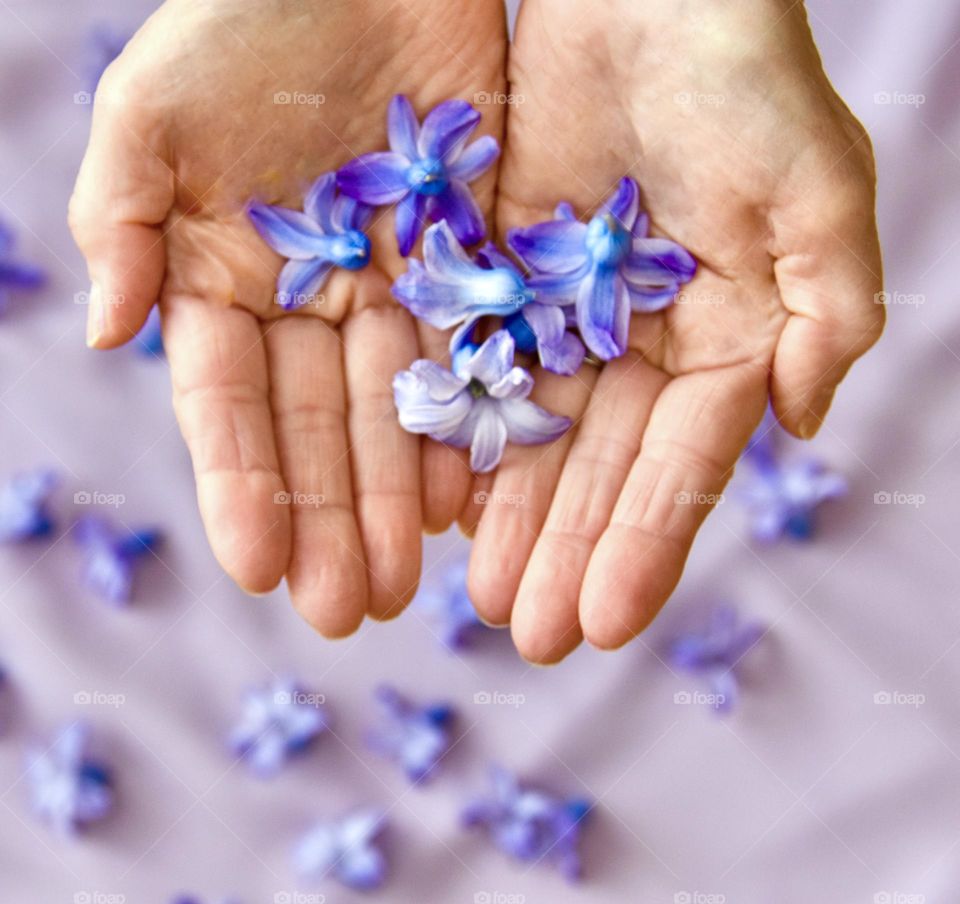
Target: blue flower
(278,722)
(782,497)
(68,787)
(329,233)
(345,849)
(150,338)
(426,171)
(110,556)
(23,505)
(715,652)
(15,276)
(415,737)
(606,267)
(449,609)
(480,404)
(529,824)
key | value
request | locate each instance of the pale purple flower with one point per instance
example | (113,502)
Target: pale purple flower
(69,788)
(426,171)
(15,276)
(277,723)
(346,850)
(327,234)
(605,268)
(529,824)
(449,610)
(480,404)
(715,651)
(110,556)
(415,737)
(24,505)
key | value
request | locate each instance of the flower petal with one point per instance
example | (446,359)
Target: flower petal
(459,208)
(565,358)
(419,413)
(319,200)
(489,438)
(515,384)
(443,253)
(557,288)
(428,298)
(300,281)
(624,203)
(446,129)
(475,160)
(402,127)
(546,321)
(377,178)
(491,257)
(411,216)
(492,361)
(529,425)
(349,214)
(658,262)
(440,383)
(564,211)
(649,300)
(603,313)
(290,233)
(556,246)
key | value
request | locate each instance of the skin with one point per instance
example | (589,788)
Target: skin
(744,154)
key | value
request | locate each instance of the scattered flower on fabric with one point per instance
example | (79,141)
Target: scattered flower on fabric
(480,404)
(150,338)
(415,737)
(529,824)
(111,555)
(278,722)
(448,609)
(605,268)
(24,505)
(346,850)
(15,276)
(426,172)
(70,789)
(782,496)
(715,652)
(105,43)
(327,234)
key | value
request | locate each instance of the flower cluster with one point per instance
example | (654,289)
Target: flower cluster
(579,284)
(345,849)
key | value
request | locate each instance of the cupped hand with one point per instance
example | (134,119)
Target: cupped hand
(302,469)
(747,157)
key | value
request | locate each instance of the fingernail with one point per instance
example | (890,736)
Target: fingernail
(809,426)
(96,316)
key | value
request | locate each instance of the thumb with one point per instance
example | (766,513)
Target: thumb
(123,194)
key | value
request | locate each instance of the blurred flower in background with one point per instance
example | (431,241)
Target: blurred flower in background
(15,276)
(110,556)
(24,502)
(448,609)
(345,849)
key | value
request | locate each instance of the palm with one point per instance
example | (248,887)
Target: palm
(301,466)
(761,200)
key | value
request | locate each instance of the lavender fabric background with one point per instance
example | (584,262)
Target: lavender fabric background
(810,791)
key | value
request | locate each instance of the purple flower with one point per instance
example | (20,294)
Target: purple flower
(529,824)
(480,404)
(426,171)
(606,267)
(69,788)
(24,505)
(345,849)
(413,736)
(329,233)
(110,556)
(15,276)
(715,651)
(782,497)
(449,609)
(278,722)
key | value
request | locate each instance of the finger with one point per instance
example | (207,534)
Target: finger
(545,622)
(220,394)
(516,506)
(385,458)
(830,280)
(327,575)
(122,196)
(697,430)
